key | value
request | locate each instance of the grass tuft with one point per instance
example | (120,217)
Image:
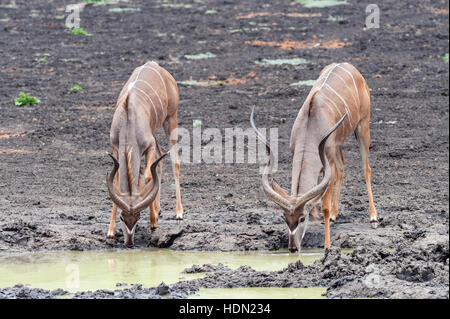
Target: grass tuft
(78,31)
(76,88)
(43,58)
(25,99)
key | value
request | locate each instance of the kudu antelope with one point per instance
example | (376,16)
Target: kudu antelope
(148,101)
(340,100)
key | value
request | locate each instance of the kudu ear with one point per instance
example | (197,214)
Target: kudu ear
(277,188)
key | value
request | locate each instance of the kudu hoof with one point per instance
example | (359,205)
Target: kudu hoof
(110,235)
(374,224)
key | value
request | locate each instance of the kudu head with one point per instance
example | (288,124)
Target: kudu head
(296,209)
(132,204)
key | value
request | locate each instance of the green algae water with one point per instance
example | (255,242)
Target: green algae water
(92,270)
(260,293)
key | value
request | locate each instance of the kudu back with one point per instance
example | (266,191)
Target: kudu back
(148,101)
(337,107)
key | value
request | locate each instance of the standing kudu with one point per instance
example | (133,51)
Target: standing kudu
(340,99)
(148,101)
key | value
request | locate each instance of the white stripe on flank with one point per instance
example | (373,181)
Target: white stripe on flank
(133,85)
(353,79)
(330,108)
(343,80)
(130,85)
(154,91)
(335,107)
(143,98)
(328,74)
(154,108)
(159,74)
(345,103)
(334,104)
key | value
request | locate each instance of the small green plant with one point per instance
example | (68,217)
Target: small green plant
(176,5)
(78,31)
(293,61)
(304,83)
(200,56)
(11,5)
(34,13)
(76,88)
(43,58)
(197,123)
(445,58)
(124,10)
(25,99)
(335,18)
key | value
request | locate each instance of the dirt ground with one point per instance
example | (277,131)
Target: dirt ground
(53,156)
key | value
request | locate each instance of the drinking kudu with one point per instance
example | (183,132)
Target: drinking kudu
(148,101)
(337,106)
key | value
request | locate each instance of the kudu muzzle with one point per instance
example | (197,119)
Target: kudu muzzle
(128,235)
(296,235)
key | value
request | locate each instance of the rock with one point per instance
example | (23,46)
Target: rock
(162,289)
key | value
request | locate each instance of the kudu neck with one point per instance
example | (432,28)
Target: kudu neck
(306,165)
(308,169)
(129,164)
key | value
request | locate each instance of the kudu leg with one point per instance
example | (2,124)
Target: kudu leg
(112,223)
(150,157)
(172,133)
(157,200)
(340,165)
(363,137)
(326,203)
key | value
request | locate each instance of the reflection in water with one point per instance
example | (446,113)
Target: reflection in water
(149,267)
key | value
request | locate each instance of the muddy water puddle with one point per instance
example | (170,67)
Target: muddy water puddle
(93,270)
(260,293)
